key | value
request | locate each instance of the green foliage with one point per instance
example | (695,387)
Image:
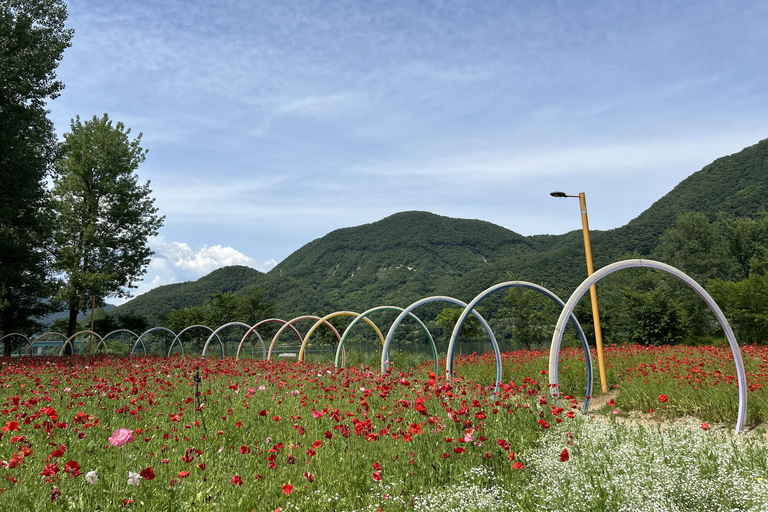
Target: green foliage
(161,301)
(654,318)
(104,323)
(746,241)
(32,42)
(532,316)
(694,246)
(220,309)
(472,328)
(745,304)
(103,216)
(722,251)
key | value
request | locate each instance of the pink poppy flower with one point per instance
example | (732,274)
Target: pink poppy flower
(121,436)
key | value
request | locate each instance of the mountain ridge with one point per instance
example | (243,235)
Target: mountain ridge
(414,254)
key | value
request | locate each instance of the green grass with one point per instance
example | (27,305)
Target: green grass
(404,428)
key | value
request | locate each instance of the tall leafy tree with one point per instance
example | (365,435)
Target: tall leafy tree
(104,217)
(32,41)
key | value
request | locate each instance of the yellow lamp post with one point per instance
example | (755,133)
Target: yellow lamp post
(592,289)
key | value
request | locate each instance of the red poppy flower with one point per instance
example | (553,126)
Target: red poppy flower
(376,476)
(663,398)
(147,474)
(72,467)
(287,488)
(50,469)
(236,480)
(11,426)
(564,455)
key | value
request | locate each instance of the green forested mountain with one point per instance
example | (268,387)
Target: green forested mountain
(164,299)
(411,255)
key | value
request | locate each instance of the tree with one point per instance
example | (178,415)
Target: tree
(32,41)
(695,246)
(654,317)
(745,239)
(533,316)
(745,304)
(472,328)
(103,216)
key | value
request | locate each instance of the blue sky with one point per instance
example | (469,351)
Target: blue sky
(270,124)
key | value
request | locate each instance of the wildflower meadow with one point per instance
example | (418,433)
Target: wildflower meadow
(184,433)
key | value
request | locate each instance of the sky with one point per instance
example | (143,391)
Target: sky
(271,124)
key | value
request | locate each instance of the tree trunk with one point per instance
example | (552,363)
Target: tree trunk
(69,349)
(7,348)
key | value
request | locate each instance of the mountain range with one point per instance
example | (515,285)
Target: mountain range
(412,255)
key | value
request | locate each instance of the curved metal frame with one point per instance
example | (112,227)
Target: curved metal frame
(609,269)
(2,340)
(290,323)
(216,333)
(141,338)
(334,315)
(256,326)
(404,313)
(104,339)
(373,310)
(69,342)
(531,286)
(178,337)
(63,339)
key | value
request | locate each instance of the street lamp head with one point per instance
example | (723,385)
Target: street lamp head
(558,194)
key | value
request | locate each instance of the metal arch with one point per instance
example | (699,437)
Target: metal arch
(178,337)
(63,337)
(2,340)
(141,338)
(381,308)
(333,315)
(290,323)
(242,341)
(404,313)
(69,341)
(104,339)
(216,332)
(619,265)
(522,284)
(259,324)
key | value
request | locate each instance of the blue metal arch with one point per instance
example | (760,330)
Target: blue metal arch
(216,333)
(141,338)
(406,311)
(104,339)
(522,284)
(178,337)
